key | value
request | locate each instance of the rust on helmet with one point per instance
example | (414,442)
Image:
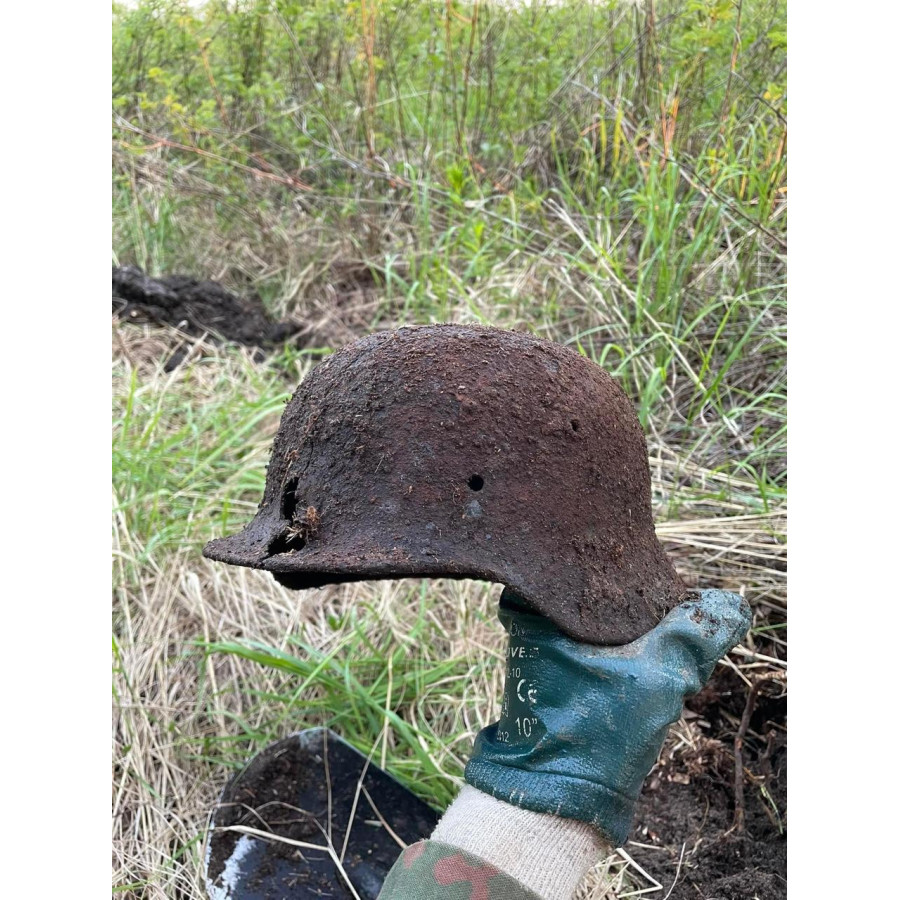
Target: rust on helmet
(466,452)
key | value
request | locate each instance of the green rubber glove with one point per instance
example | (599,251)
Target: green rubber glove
(581,725)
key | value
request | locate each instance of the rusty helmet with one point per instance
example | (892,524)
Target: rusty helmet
(466,452)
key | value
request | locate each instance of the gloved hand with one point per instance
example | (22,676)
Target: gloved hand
(581,725)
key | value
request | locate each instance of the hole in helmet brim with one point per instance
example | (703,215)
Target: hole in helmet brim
(289,539)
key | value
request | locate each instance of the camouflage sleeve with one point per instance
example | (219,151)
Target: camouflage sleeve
(430,870)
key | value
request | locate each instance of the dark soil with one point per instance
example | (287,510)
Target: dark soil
(195,308)
(285,791)
(689,800)
(467,452)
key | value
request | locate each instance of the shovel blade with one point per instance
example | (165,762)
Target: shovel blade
(309,789)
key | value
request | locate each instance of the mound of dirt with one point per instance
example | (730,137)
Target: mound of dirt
(195,308)
(689,800)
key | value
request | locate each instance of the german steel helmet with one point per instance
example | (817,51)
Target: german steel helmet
(466,452)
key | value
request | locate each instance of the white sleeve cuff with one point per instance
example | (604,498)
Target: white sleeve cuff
(547,854)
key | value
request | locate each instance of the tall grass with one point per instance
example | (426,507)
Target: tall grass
(600,173)
(608,175)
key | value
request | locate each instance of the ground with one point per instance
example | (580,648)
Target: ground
(686,821)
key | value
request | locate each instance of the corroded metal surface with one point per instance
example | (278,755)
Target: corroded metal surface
(466,452)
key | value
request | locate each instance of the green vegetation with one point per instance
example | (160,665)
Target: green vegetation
(609,175)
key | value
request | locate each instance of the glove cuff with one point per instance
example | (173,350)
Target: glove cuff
(562,795)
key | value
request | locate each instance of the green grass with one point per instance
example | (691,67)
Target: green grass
(364,688)
(593,173)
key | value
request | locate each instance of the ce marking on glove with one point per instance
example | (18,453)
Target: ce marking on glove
(530,693)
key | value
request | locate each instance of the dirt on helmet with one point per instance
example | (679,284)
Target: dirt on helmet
(466,452)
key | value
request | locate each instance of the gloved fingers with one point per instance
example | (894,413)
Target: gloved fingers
(720,618)
(697,633)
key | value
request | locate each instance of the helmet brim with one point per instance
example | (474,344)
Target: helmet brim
(358,558)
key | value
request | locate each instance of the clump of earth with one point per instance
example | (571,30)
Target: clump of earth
(195,308)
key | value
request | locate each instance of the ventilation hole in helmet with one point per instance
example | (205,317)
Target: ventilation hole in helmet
(574,424)
(289,499)
(289,539)
(476,482)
